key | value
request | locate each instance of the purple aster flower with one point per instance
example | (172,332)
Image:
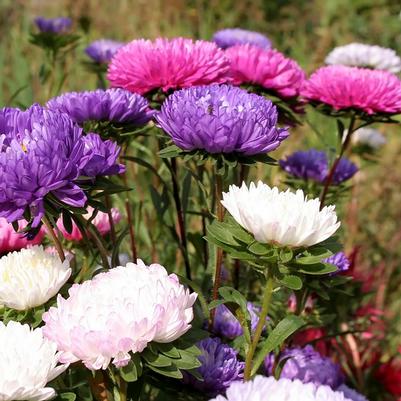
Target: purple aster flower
(340,260)
(227,325)
(53,25)
(116,105)
(221,119)
(102,157)
(41,152)
(313,165)
(307,365)
(310,164)
(344,171)
(220,367)
(102,50)
(351,394)
(237,36)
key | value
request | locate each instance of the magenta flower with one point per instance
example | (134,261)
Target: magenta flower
(101,222)
(267,68)
(13,241)
(342,87)
(142,65)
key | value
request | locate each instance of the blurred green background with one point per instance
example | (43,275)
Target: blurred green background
(303,29)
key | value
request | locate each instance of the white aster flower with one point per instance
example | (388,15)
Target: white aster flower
(269,389)
(369,137)
(118,312)
(30,277)
(27,363)
(283,218)
(362,55)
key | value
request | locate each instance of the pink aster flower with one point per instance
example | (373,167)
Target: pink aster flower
(265,67)
(343,87)
(13,241)
(142,65)
(118,312)
(101,222)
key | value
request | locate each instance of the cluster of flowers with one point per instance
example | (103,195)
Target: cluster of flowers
(48,161)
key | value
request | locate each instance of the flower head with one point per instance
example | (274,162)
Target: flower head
(29,362)
(342,88)
(220,367)
(307,365)
(313,165)
(115,105)
(370,137)
(363,55)
(53,25)
(102,51)
(30,277)
(102,157)
(351,394)
(118,312)
(269,389)
(267,68)
(236,36)
(101,222)
(14,241)
(284,218)
(142,65)
(41,152)
(227,325)
(221,119)
(340,260)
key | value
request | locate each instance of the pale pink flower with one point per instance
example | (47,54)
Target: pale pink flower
(265,67)
(101,222)
(13,241)
(343,87)
(118,312)
(143,65)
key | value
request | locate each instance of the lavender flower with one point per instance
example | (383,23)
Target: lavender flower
(313,165)
(308,165)
(307,365)
(116,105)
(102,157)
(43,152)
(340,260)
(53,25)
(227,325)
(344,171)
(221,119)
(102,51)
(351,394)
(236,36)
(220,367)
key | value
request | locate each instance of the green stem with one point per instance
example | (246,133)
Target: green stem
(330,175)
(108,204)
(54,238)
(219,256)
(259,328)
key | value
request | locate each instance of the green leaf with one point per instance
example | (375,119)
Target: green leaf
(133,370)
(286,255)
(157,360)
(318,269)
(259,249)
(218,231)
(66,397)
(170,151)
(285,328)
(169,371)
(290,281)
